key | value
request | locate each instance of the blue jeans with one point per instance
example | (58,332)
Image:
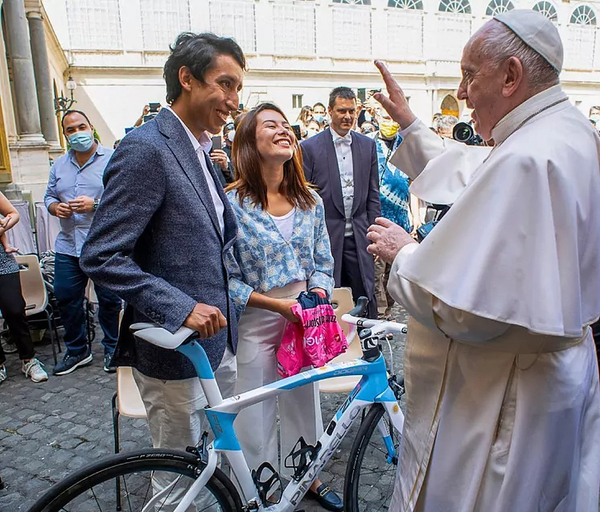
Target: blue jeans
(69,289)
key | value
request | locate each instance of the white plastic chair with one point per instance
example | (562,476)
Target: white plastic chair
(127,400)
(342,303)
(35,294)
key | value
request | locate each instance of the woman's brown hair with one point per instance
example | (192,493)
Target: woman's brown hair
(246,162)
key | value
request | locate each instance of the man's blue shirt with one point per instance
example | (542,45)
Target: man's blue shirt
(66,182)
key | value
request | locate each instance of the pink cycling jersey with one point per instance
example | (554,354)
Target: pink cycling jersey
(315,340)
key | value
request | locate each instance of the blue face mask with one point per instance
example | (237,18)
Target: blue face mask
(81,141)
(319,118)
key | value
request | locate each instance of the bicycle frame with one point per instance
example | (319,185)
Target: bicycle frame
(372,388)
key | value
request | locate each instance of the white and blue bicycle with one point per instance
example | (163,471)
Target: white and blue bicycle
(125,481)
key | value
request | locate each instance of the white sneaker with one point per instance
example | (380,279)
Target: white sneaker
(3,374)
(34,370)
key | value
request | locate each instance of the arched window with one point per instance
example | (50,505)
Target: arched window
(498,7)
(406,4)
(583,15)
(455,6)
(547,9)
(449,106)
(353,2)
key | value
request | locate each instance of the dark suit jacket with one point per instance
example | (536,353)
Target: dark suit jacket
(155,241)
(321,169)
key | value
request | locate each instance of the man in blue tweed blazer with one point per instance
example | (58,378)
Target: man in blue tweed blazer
(161,231)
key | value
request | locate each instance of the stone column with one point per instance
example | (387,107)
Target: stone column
(19,52)
(41,68)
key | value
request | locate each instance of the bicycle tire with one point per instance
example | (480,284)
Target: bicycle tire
(369,497)
(102,472)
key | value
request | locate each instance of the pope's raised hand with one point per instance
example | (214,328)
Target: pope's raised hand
(395,103)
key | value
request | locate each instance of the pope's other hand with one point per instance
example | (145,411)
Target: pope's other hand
(387,239)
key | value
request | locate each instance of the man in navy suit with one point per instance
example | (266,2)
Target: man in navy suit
(160,233)
(342,164)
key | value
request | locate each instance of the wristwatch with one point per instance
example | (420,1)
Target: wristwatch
(96,203)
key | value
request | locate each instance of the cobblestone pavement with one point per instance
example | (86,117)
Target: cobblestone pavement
(51,429)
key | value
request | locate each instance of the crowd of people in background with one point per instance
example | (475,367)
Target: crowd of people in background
(396,203)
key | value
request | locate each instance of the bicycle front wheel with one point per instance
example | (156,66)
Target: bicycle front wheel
(370,477)
(128,481)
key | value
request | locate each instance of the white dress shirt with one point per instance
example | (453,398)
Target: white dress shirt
(201,146)
(343,151)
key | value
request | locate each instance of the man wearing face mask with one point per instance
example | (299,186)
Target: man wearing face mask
(319,113)
(395,199)
(73,194)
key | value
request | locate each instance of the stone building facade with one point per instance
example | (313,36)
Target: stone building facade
(298,50)
(32,71)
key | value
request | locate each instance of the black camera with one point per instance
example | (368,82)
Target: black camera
(297,132)
(435,212)
(463,132)
(152,112)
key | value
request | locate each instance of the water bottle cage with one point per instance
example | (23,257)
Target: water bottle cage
(269,486)
(301,457)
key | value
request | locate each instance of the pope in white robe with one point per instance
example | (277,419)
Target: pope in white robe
(502,394)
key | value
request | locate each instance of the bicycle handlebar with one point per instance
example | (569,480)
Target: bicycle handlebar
(161,337)
(379,326)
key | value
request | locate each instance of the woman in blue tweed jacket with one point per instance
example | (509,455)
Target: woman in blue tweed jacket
(282,248)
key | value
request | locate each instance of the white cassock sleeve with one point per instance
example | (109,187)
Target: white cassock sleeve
(435,314)
(419,146)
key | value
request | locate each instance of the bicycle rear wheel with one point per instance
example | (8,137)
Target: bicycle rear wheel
(94,488)
(369,481)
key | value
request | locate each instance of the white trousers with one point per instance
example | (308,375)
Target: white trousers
(176,418)
(259,335)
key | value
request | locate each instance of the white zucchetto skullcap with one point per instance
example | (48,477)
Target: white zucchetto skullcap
(537,32)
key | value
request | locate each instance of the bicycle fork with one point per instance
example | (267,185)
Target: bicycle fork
(204,476)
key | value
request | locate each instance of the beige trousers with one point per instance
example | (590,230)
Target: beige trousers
(176,418)
(259,335)
(384,299)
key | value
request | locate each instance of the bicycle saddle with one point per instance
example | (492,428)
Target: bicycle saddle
(159,336)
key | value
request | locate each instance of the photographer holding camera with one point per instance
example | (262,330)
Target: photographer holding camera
(221,159)
(149,112)
(502,394)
